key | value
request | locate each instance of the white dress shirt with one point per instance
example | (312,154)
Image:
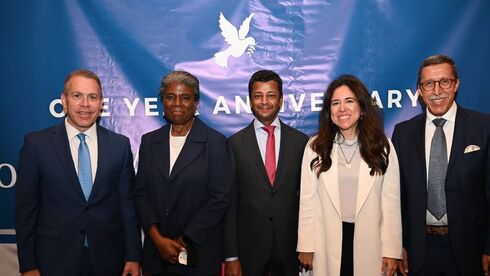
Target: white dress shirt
(90,139)
(430,128)
(261,135)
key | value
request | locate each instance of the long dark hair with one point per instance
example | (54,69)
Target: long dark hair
(373,144)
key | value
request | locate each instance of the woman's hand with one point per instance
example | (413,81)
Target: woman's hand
(168,248)
(306,260)
(389,266)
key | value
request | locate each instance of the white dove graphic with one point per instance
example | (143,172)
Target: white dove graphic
(238,40)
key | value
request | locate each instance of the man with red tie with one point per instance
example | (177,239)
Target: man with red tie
(261,225)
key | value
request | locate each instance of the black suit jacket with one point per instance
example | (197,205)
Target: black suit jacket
(260,211)
(192,200)
(467,189)
(52,216)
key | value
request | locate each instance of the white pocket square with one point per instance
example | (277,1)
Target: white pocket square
(471,148)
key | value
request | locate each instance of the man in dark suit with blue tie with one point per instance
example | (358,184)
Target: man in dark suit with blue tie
(262,224)
(74,211)
(444,157)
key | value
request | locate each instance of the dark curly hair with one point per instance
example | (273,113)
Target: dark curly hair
(373,144)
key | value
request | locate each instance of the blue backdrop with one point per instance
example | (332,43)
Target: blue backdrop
(132,44)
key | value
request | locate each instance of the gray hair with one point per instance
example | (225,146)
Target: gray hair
(181,77)
(436,60)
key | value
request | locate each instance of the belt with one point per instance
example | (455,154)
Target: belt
(436,230)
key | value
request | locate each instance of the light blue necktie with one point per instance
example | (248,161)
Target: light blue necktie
(84,166)
(436,196)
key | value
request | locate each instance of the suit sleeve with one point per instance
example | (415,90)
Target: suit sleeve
(396,144)
(212,213)
(231,239)
(27,197)
(131,227)
(309,203)
(143,204)
(487,191)
(391,225)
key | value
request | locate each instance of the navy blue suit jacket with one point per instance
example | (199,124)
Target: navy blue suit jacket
(52,216)
(192,200)
(467,189)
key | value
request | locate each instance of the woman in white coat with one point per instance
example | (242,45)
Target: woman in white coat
(349,218)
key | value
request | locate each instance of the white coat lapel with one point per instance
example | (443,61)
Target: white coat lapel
(330,180)
(364,185)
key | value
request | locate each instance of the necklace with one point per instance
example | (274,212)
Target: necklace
(339,139)
(348,165)
(347,144)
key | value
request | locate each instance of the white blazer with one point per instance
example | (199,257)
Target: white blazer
(378,229)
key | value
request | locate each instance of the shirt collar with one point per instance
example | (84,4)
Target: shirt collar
(259,125)
(450,115)
(73,132)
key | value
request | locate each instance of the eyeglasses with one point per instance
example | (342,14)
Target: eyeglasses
(444,83)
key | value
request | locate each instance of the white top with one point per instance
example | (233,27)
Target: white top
(348,178)
(176,145)
(430,128)
(261,135)
(90,139)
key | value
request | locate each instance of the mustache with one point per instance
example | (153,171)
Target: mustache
(437,97)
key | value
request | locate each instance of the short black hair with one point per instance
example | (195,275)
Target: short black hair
(264,76)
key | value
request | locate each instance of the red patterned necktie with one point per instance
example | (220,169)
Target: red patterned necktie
(270,153)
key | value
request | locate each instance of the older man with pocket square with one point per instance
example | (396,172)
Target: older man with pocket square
(444,158)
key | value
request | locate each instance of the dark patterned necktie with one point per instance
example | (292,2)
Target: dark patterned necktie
(436,196)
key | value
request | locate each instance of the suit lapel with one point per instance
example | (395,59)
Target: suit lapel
(458,138)
(61,145)
(285,145)
(250,142)
(160,150)
(364,185)
(194,144)
(103,151)
(419,140)
(330,180)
